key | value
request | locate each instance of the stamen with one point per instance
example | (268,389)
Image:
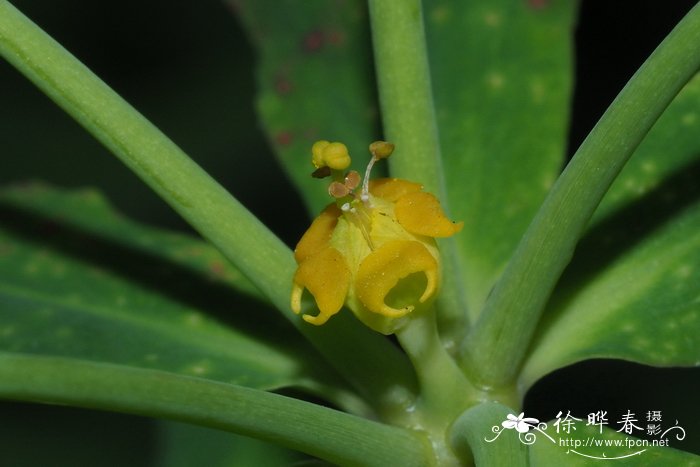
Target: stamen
(379,150)
(365,183)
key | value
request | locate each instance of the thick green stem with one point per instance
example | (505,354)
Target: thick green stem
(329,434)
(374,366)
(408,115)
(445,392)
(496,346)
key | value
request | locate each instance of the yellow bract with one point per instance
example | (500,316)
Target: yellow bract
(376,254)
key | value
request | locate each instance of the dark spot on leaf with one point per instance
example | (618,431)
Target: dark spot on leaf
(336,38)
(283,86)
(217,269)
(283,138)
(538,4)
(313,41)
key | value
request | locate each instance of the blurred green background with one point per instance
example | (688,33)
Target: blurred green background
(188,67)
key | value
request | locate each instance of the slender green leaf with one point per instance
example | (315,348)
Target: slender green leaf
(315,81)
(316,430)
(473,434)
(78,280)
(409,121)
(633,294)
(585,445)
(672,145)
(501,73)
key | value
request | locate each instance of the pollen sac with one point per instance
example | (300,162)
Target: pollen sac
(376,254)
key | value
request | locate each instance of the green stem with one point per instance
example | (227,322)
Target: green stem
(408,115)
(445,392)
(497,344)
(329,434)
(367,360)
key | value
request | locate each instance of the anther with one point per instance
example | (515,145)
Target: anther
(338,190)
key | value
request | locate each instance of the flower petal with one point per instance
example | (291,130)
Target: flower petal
(327,276)
(391,189)
(420,213)
(382,269)
(318,235)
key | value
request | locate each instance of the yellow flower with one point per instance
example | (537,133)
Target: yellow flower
(374,252)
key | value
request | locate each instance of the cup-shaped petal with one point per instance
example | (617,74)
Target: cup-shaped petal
(382,270)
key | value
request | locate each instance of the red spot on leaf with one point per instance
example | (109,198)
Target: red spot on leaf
(336,38)
(538,4)
(216,268)
(283,86)
(284,138)
(313,41)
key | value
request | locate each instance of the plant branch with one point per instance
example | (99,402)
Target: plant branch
(366,359)
(497,344)
(408,115)
(329,434)
(445,392)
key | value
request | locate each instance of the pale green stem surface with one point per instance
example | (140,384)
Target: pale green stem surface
(366,359)
(408,116)
(497,344)
(329,434)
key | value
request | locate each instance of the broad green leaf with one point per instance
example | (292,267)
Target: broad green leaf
(322,432)
(78,280)
(475,433)
(632,293)
(315,81)
(586,445)
(501,74)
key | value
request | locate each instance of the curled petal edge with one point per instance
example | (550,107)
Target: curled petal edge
(420,213)
(382,269)
(327,277)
